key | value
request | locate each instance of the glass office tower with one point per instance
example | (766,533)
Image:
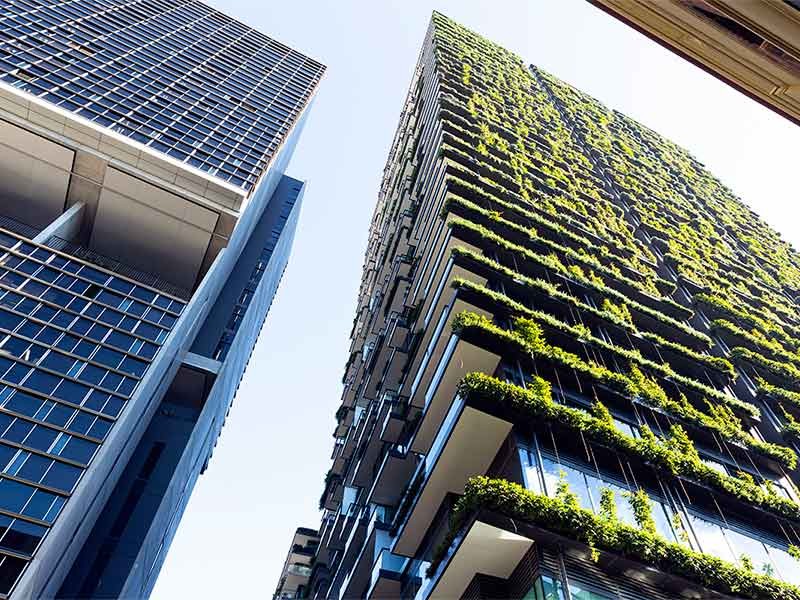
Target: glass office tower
(575,368)
(145,223)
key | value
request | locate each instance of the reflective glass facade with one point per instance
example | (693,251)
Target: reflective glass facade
(76,340)
(177,76)
(133,286)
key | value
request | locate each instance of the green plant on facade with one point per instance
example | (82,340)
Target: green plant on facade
(605,534)
(564,198)
(674,454)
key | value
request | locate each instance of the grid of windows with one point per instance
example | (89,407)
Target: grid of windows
(717,535)
(175,75)
(75,341)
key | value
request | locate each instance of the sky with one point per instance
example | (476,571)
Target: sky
(266,475)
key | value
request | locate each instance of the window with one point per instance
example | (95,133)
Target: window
(588,486)
(20,536)
(548,587)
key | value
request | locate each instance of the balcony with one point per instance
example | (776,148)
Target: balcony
(484,547)
(369,447)
(376,538)
(492,543)
(435,342)
(467,443)
(385,576)
(443,271)
(392,475)
(395,419)
(442,375)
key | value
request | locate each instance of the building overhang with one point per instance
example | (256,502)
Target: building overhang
(434,345)
(143,208)
(464,448)
(457,358)
(484,548)
(748,67)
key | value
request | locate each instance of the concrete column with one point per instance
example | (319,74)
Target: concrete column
(67,226)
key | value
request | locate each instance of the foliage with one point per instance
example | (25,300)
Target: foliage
(609,535)
(527,338)
(675,454)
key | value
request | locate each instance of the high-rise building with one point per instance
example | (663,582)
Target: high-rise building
(753,46)
(574,370)
(145,223)
(297,566)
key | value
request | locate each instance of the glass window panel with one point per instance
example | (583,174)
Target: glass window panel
(111,381)
(44,410)
(108,357)
(711,538)
(67,342)
(147,331)
(147,350)
(59,415)
(110,298)
(42,382)
(551,475)
(10,570)
(546,588)
(786,564)
(84,349)
(14,495)
(143,294)
(63,319)
(662,515)
(55,508)
(99,429)
(34,468)
(111,317)
(24,404)
(61,477)
(41,438)
(530,470)
(58,362)
(48,335)
(128,324)
(82,422)
(23,537)
(97,332)
(92,374)
(121,286)
(16,464)
(9,321)
(744,545)
(79,450)
(5,523)
(133,366)
(6,454)
(17,373)
(120,340)
(18,431)
(71,391)
(113,407)
(44,313)
(39,505)
(30,329)
(578,592)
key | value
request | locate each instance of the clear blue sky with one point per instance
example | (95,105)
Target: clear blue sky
(266,474)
